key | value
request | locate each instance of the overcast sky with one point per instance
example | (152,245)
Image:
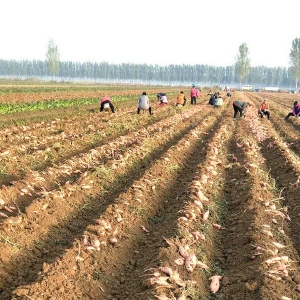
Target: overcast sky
(151,31)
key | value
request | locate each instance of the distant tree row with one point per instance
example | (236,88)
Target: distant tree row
(199,74)
(240,73)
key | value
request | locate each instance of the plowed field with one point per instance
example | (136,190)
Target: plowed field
(184,204)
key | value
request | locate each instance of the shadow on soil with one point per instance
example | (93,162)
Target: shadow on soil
(30,265)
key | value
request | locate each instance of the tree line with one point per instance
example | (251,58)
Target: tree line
(205,74)
(238,74)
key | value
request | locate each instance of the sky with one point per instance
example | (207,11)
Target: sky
(159,32)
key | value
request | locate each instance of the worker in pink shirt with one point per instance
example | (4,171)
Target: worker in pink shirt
(106,104)
(194,94)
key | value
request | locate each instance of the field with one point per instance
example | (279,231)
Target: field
(184,204)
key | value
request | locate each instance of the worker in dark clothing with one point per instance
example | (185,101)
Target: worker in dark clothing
(213,98)
(239,106)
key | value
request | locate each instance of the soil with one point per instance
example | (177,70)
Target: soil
(114,206)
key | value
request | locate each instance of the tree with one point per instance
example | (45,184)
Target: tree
(52,58)
(295,60)
(242,65)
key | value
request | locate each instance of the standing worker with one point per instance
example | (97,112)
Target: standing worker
(144,103)
(264,109)
(194,94)
(239,106)
(106,104)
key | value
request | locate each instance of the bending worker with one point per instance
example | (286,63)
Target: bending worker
(239,106)
(144,103)
(159,95)
(106,103)
(219,101)
(181,100)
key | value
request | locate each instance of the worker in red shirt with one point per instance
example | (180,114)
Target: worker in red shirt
(106,104)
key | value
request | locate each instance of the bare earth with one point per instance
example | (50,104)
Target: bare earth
(125,206)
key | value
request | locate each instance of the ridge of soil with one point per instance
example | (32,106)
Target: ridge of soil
(116,214)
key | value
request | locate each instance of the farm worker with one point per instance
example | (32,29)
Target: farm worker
(106,103)
(228,94)
(212,99)
(163,100)
(194,94)
(219,101)
(239,106)
(264,109)
(181,100)
(144,103)
(160,95)
(295,111)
